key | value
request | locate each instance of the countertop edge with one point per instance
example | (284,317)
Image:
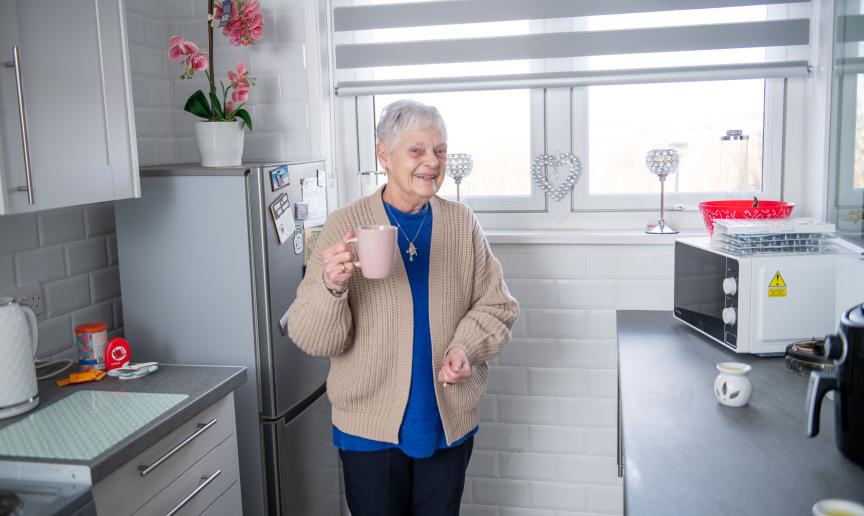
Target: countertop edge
(151,434)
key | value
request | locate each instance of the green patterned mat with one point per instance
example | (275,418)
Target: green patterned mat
(84,424)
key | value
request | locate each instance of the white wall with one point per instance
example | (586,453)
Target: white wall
(151,89)
(547,439)
(279,102)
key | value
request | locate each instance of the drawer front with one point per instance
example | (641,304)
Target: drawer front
(126,490)
(197,488)
(229,504)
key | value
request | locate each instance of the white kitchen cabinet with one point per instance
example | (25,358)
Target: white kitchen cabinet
(71,81)
(229,504)
(191,470)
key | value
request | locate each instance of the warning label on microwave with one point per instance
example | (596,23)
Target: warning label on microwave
(777,287)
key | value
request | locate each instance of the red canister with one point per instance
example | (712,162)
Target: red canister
(117,354)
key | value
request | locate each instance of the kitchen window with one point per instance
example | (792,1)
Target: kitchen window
(614,126)
(629,81)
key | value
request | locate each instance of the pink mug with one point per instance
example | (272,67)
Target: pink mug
(375,246)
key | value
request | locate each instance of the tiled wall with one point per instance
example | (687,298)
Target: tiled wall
(278,103)
(151,87)
(547,439)
(72,254)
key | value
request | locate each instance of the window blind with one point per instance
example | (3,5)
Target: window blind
(450,45)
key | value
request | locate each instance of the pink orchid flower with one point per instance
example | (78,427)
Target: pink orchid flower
(177,48)
(240,93)
(251,8)
(198,61)
(245,23)
(239,76)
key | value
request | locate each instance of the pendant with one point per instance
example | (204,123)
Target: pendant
(412,251)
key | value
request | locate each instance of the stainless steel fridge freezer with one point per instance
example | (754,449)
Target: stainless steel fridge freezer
(206,278)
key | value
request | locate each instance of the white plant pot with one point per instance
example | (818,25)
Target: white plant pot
(220,144)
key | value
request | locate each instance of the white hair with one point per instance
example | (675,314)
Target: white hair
(407,115)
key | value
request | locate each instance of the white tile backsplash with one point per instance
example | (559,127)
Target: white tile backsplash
(559,439)
(555,385)
(530,466)
(526,409)
(483,464)
(507,379)
(558,382)
(505,493)
(503,436)
(278,58)
(606,499)
(556,495)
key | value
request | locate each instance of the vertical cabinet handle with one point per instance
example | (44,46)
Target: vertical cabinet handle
(145,470)
(193,494)
(22,118)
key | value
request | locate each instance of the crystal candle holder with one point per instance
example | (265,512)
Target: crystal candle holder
(459,166)
(661,163)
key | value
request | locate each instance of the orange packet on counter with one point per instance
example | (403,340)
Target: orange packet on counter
(93,375)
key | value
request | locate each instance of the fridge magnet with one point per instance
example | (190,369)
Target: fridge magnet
(279,177)
(226,15)
(298,239)
(311,236)
(283,217)
(547,161)
(315,197)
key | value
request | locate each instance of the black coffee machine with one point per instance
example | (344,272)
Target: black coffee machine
(846,348)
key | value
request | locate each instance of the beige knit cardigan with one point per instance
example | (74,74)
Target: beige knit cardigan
(368,331)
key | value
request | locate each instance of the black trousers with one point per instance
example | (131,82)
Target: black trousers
(390,483)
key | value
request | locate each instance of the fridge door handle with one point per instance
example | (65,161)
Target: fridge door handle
(289,415)
(283,324)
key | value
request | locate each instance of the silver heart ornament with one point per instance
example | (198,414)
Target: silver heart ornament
(544,161)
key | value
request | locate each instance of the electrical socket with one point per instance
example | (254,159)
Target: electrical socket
(30,295)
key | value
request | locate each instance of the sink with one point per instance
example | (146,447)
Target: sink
(84,424)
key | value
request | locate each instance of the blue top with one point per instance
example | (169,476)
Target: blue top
(421,433)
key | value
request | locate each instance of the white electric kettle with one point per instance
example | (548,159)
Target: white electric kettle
(19,391)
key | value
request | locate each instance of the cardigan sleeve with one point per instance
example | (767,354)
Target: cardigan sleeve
(485,329)
(319,322)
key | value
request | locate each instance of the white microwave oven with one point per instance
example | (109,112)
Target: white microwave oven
(754,304)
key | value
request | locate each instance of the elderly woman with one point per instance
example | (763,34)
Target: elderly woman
(407,353)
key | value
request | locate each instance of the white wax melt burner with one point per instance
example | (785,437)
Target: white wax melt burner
(732,387)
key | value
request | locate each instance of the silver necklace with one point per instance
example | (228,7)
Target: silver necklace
(412,249)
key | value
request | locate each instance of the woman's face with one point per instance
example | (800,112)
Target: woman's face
(415,165)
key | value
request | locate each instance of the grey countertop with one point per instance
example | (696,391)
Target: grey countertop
(204,385)
(684,453)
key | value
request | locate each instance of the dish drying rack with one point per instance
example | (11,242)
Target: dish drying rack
(774,236)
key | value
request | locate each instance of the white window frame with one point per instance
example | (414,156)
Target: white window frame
(772,125)
(557,128)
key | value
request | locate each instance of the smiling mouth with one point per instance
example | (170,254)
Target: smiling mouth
(426,177)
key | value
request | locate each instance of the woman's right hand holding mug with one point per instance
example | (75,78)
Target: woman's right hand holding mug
(338,261)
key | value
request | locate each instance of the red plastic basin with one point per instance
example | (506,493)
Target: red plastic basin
(743,209)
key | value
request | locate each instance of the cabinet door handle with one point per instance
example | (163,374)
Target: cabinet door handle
(202,427)
(22,118)
(206,480)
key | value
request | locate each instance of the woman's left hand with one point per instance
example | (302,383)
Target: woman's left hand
(456,368)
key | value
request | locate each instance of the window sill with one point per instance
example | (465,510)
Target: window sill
(586,237)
